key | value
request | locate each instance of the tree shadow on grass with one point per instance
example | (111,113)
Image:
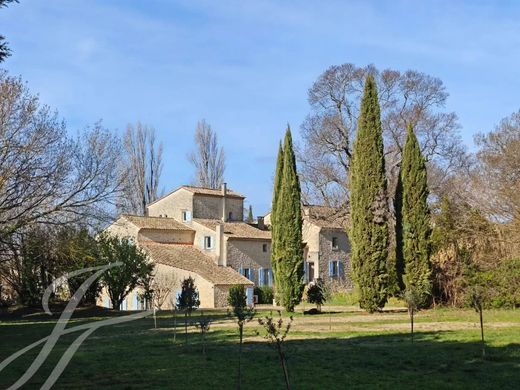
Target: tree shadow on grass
(387,361)
(133,356)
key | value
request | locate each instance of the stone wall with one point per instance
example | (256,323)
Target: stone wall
(210,207)
(172,205)
(248,254)
(200,232)
(166,236)
(122,228)
(328,253)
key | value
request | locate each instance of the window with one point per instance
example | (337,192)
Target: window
(248,273)
(230,216)
(186,216)
(265,277)
(264,247)
(208,242)
(334,268)
(335,243)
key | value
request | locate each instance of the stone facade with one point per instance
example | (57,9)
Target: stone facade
(322,226)
(242,254)
(165,236)
(172,205)
(340,253)
(210,207)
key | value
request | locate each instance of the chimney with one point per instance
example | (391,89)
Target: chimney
(224,193)
(220,245)
(260,222)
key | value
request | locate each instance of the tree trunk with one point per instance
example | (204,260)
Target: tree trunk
(239,379)
(284,366)
(411,323)
(203,343)
(175,324)
(186,326)
(482,334)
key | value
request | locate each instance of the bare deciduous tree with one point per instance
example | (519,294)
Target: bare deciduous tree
(162,286)
(143,168)
(47,177)
(409,97)
(497,175)
(208,159)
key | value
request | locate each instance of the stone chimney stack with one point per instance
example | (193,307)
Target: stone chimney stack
(220,245)
(260,222)
(224,193)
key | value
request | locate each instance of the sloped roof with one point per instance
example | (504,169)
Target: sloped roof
(326,217)
(155,222)
(236,229)
(200,191)
(190,259)
(212,191)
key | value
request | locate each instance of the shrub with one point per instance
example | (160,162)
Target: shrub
(317,293)
(265,294)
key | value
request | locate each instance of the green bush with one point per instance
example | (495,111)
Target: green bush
(499,286)
(318,293)
(265,294)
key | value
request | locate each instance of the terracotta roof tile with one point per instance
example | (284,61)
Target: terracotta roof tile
(236,229)
(212,191)
(189,258)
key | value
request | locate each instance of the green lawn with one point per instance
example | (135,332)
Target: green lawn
(346,349)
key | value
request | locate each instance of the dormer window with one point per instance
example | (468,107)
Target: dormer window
(186,216)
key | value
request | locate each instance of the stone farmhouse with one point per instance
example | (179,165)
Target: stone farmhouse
(200,232)
(327,248)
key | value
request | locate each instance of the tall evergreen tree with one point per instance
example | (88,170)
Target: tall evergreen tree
(415,229)
(289,261)
(275,238)
(369,209)
(399,258)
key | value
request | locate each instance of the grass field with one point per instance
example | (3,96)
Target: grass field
(346,349)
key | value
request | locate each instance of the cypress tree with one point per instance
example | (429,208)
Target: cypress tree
(289,268)
(369,210)
(399,258)
(275,239)
(415,220)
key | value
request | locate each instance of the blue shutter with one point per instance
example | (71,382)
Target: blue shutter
(261,281)
(305,271)
(241,271)
(331,269)
(249,293)
(177,296)
(340,269)
(270,271)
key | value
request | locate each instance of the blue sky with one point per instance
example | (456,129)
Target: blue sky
(246,66)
